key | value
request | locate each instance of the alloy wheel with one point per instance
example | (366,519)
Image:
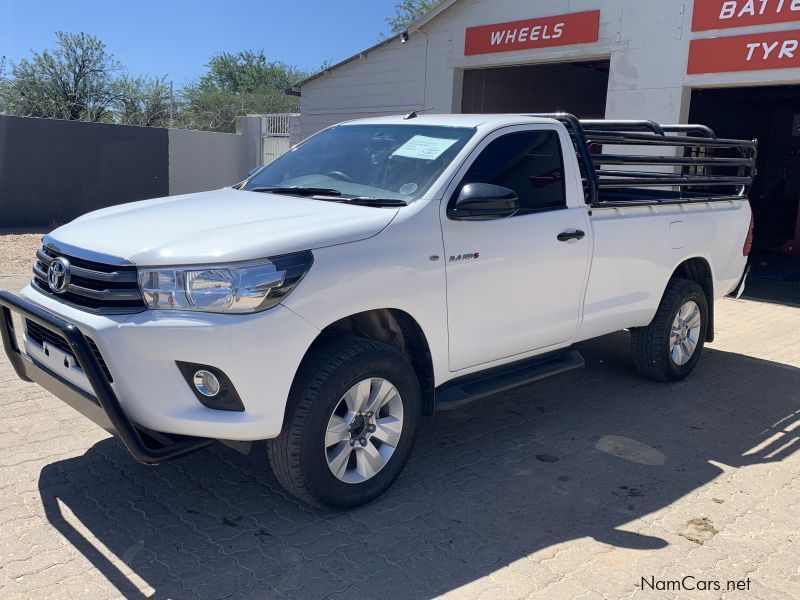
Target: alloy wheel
(364,430)
(685,333)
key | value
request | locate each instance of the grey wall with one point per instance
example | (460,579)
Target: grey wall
(295,135)
(52,171)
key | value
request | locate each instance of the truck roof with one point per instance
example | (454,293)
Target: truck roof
(452,120)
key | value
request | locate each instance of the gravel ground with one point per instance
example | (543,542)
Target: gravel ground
(17,251)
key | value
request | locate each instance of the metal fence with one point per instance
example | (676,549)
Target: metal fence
(276,134)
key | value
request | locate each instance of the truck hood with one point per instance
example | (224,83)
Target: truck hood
(219,226)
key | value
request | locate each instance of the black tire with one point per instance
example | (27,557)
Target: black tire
(650,345)
(298,455)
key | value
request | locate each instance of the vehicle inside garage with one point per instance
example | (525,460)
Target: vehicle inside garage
(579,88)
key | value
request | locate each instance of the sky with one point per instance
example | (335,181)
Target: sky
(175,38)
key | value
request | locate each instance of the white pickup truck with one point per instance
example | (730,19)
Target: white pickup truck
(381,270)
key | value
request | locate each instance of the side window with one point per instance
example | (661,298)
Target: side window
(528,162)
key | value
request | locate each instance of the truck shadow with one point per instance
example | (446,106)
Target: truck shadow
(580,455)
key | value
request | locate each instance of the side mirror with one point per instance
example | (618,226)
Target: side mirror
(484,202)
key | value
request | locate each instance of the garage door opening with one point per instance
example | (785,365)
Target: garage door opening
(579,88)
(771,115)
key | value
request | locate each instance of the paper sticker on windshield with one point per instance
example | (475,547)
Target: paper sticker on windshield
(424,147)
(408,189)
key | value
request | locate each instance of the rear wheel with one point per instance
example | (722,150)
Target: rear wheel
(350,428)
(668,349)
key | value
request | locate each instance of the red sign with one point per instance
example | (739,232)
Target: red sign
(755,52)
(563,30)
(722,14)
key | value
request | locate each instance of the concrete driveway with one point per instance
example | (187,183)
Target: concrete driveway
(595,484)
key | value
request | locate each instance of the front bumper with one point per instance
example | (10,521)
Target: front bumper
(103,407)
(260,354)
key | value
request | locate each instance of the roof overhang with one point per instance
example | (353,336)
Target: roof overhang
(297,86)
(431,14)
(295,90)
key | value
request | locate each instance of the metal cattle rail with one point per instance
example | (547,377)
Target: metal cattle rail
(691,164)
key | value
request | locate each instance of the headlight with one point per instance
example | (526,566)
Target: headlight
(234,288)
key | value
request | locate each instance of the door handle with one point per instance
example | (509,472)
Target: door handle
(566,236)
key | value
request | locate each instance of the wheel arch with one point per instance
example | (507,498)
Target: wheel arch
(391,326)
(698,269)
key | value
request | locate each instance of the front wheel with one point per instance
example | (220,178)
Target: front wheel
(668,349)
(350,428)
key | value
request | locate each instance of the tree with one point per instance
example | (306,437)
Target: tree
(408,11)
(3,83)
(80,80)
(144,101)
(238,84)
(74,82)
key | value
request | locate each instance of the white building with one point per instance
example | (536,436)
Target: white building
(730,64)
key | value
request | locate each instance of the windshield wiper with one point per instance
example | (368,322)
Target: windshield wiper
(371,201)
(330,195)
(297,190)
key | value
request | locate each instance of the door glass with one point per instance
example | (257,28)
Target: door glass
(528,162)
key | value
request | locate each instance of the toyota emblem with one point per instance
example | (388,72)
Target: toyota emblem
(58,275)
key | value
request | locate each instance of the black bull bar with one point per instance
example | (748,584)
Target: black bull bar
(103,408)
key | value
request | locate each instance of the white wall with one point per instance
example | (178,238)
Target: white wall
(206,160)
(647,42)
(388,80)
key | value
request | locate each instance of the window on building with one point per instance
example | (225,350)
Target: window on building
(528,162)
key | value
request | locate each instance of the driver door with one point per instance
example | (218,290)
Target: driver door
(512,286)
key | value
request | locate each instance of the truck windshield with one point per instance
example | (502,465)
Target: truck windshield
(395,162)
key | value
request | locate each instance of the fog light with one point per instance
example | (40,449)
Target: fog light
(211,387)
(206,383)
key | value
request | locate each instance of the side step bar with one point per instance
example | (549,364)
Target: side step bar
(469,388)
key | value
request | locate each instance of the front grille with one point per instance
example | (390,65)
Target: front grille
(40,335)
(99,357)
(94,287)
